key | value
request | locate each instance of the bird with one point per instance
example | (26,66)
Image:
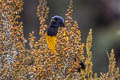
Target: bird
(52,30)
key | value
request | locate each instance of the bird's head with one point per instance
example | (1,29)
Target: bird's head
(57,21)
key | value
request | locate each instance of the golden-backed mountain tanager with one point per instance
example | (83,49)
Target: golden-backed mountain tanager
(52,30)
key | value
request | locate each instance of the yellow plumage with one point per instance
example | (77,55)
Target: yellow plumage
(51,41)
(65,34)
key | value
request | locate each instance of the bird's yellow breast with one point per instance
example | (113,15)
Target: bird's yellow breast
(51,41)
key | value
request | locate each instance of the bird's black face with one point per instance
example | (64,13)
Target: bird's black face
(57,21)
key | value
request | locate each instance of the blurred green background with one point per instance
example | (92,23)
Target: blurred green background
(103,16)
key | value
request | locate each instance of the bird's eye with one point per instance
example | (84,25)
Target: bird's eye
(56,19)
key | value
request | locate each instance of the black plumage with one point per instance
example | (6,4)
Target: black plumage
(82,67)
(56,22)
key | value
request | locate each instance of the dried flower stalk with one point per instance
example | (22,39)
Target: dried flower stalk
(37,63)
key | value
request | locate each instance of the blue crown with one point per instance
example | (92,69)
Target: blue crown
(59,17)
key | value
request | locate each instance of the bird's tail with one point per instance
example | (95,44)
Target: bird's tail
(51,41)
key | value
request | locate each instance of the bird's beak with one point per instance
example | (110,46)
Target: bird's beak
(62,25)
